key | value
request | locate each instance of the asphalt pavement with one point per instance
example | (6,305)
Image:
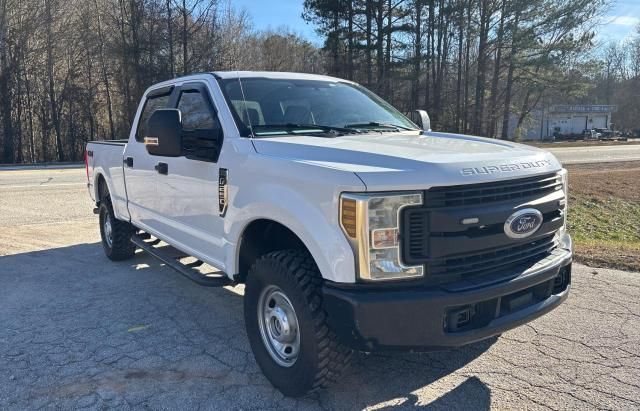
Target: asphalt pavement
(597,154)
(79,331)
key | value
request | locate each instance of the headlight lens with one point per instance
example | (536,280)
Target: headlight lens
(371,222)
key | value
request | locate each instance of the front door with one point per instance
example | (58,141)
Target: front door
(139,172)
(187,197)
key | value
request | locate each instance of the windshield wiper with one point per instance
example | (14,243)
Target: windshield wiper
(289,127)
(375,124)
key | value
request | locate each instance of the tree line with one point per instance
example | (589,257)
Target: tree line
(474,65)
(615,79)
(74,70)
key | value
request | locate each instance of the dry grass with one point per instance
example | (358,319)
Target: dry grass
(604,214)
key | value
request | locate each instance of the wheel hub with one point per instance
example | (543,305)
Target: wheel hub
(278,326)
(108,229)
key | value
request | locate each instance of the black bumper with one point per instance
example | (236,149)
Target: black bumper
(422,319)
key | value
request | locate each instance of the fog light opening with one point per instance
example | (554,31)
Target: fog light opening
(562,280)
(460,317)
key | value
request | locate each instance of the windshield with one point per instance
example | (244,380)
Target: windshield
(282,106)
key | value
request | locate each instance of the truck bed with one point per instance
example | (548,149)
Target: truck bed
(105,157)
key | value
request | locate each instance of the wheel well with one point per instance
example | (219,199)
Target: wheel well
(261,237)
(103,190)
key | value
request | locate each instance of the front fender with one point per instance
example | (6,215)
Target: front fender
(323,238)
(303,198)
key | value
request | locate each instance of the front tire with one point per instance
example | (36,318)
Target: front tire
(287,327)
(115,234)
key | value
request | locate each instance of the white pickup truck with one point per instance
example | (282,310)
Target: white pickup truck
(351,227)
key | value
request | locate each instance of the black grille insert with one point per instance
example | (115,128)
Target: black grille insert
(501,259)
(484,193)
(415,231)
(433,234)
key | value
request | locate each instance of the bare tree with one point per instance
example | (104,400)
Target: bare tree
(73,70)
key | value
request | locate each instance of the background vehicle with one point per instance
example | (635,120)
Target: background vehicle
(352,228)
(592,134)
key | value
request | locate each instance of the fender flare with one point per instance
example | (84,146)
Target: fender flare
(323,238)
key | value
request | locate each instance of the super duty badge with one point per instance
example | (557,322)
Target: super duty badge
(504,168)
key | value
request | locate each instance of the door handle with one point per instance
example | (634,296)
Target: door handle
(128,161)
(162,168)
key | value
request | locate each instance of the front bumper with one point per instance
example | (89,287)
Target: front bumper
(422,319)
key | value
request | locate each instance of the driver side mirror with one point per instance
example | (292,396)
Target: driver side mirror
(421,118)
(164,133)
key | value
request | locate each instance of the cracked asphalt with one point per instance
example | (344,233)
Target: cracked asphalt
(78,331)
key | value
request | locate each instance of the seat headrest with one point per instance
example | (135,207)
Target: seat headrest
(254,116)
(297,115)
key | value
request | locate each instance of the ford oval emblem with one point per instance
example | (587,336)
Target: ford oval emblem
(523,223)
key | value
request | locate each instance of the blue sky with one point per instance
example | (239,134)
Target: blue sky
(276,13)
(620,21)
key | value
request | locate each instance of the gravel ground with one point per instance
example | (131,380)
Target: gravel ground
(78,331)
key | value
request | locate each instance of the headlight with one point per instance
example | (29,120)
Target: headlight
(371,223)
(565,188)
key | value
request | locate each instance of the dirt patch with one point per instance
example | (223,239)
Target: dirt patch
(604,214)
(604,180)
(608,256)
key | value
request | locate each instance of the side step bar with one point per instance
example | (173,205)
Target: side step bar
(185,269)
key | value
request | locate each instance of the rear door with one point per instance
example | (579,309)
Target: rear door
(187,197)
(140,175)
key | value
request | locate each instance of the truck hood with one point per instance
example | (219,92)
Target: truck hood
(395,161)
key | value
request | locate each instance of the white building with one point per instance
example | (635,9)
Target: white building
(563,119)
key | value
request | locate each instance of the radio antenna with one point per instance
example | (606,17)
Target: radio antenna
(244,103)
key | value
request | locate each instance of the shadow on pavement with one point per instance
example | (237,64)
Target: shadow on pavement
(77,326)
(471,394)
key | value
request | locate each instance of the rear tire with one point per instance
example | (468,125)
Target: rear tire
(287,326)
(115,234)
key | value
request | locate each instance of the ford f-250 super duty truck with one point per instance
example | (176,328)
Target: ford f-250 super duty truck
(351,227)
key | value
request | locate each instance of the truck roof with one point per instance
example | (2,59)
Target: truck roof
(274,75)
(246,74)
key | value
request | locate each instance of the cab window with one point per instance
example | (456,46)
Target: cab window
(152,104)
(201,129)
(196,111)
